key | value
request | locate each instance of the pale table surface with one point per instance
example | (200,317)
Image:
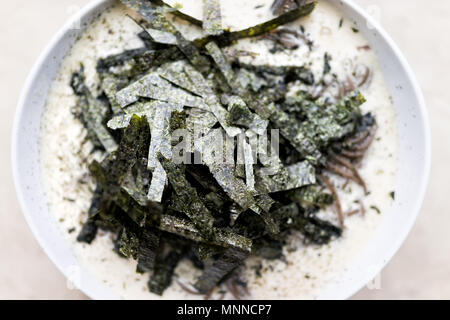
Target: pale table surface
(420,270)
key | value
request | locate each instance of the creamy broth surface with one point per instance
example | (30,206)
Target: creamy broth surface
(307,270)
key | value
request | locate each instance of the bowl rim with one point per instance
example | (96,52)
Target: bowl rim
(90,291)
(424,117)
(95,4)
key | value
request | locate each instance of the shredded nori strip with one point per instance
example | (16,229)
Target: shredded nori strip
(222,237)
(188,198)
(90,228)
(212,17)
(88,232)
(163,270)
(225,264)
(327,67)
(92,113)
(147,250)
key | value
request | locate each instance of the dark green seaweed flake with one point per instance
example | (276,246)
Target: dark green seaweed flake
(241,115)
(110,87)
(175,73)
(314,230)
(92,113)
(327,67)
(186,229)
(375,208)
(129,244)
(162,37)
(311,196)
(217,55)
(90,228)
(288,178)
(163,270)
(294,132)
(212,17)
(88,232)
(225,264)
(147,249)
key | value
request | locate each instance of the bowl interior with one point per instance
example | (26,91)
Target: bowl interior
(412,176)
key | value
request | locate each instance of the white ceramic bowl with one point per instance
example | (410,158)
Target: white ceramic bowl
(412,175)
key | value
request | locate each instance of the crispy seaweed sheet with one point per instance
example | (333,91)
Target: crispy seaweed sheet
(214,214)
(212,17)
(179,14)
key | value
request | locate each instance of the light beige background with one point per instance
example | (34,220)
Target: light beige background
(420,270)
